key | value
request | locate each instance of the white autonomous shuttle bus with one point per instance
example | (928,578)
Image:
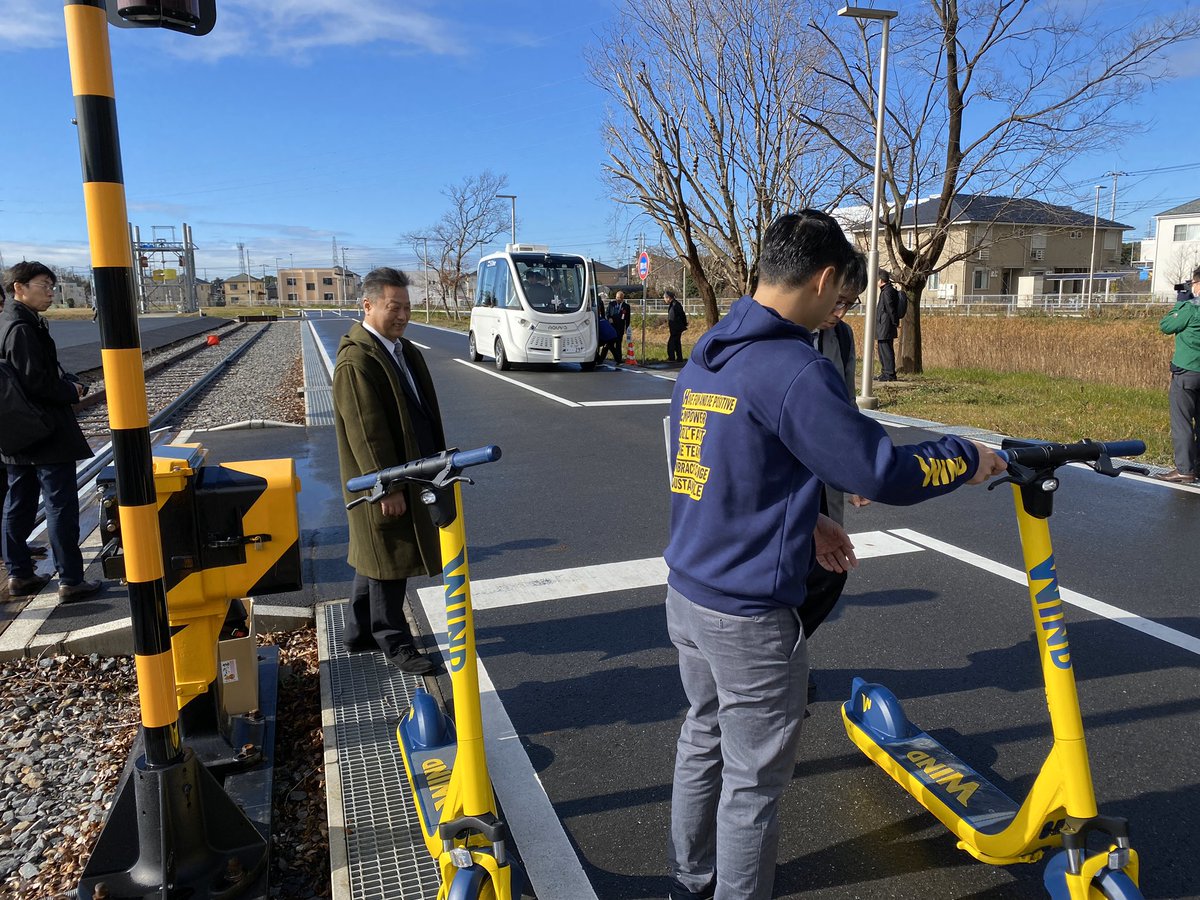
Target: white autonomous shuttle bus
(534,306)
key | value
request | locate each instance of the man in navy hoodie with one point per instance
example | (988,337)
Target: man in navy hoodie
(759,421)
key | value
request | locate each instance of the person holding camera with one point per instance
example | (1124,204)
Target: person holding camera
(1183,321)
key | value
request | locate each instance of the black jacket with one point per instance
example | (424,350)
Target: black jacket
(677,321)
(887,313)
(26,342)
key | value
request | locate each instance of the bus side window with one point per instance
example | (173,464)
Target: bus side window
(512,301)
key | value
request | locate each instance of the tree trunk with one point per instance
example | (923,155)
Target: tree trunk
(910,330)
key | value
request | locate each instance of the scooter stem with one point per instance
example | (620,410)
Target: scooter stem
(1054,652)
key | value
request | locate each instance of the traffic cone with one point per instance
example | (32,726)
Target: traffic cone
(629,359)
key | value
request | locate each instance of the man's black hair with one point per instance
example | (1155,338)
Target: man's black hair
(378,279)
(670,293)
(885,277)
(1196,274)
(855,274)
(799,245)
(24,272)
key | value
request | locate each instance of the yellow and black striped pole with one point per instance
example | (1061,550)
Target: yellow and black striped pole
(120,351)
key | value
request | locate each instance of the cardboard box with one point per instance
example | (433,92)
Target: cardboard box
(237,672)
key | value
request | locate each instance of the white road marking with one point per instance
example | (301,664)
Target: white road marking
(321,347)
(1082,601)
(537,587)
(557,399)
(659,401)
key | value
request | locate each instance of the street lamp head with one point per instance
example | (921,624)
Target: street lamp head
(866,12)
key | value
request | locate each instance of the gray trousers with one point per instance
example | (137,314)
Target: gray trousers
(746,682)
(1184,398)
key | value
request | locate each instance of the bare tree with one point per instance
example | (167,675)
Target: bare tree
(703,137)
(985,96)
(474,218)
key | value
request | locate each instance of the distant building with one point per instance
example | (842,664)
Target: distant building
(1174,250)
(245,290)
(1000,240)
(329,286)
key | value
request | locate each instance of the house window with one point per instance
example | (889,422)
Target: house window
(1076,235)
(1187,232)
(979,281)
(935,279)
(291,282)
(310,285)
(327,281)
(328,297)
(293,298)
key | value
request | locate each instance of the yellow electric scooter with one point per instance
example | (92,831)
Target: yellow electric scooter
(1060,810)
(444,757)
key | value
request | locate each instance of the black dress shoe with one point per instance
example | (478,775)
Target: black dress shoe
(408,659)
(26,587)
(69,592)
(360,646)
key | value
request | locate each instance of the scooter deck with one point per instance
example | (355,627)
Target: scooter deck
(429,770)
(939,780)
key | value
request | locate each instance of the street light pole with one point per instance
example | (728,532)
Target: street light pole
(513,198)
(1092,258)
(1112,215)
(865,400)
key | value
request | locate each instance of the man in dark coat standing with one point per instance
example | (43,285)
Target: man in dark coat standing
(677,324)
(386,413)
(47,466)
(887,321)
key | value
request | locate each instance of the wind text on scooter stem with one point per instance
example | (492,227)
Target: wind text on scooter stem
(456,611)
(1050,613)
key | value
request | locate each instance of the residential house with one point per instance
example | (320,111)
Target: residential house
(1008,246)
(1174,250)
(245,290)
(328,286)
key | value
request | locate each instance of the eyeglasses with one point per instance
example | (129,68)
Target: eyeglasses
(846,304)
(42,283)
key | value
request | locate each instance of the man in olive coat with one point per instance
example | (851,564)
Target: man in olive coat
(47,466)
(385,413)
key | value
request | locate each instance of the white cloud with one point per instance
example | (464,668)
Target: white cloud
(30,24)
(288,29)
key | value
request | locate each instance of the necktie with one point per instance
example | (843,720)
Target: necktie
(398,352)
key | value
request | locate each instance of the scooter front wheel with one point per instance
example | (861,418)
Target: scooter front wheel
(471,884)
(1108,885)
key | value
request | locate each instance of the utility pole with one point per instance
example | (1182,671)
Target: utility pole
(242,258)
(345,280)
(425,261)
(1112,215)
(1092,258)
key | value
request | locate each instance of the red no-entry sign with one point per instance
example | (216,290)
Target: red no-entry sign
(644,265)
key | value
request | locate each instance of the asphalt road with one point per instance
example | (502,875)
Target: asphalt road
(586,674)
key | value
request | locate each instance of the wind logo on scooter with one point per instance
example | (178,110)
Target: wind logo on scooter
(1048,605)
(456,610)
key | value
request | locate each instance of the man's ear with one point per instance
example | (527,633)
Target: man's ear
(826,277)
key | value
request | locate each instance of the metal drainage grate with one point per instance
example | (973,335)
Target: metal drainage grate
(318,391)
(386,855)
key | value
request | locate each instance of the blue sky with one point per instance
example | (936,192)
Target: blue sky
(299,121)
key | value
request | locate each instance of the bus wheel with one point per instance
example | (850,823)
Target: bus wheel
(472,350)
(502,362)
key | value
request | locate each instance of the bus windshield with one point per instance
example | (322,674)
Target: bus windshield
(552,284)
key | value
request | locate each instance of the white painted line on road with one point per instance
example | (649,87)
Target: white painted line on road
(662,401)
(537,587)
(550,861)
(1082,601)
(557,399)
(321,347)
(422,346)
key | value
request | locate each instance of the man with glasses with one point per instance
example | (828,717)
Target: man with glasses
(1183,321)
(47,466)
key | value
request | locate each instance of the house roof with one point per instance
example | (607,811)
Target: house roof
(1192,207)
(604,268)
(970,208)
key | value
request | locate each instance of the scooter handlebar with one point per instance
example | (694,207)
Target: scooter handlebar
(425,469)
(1038,455)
